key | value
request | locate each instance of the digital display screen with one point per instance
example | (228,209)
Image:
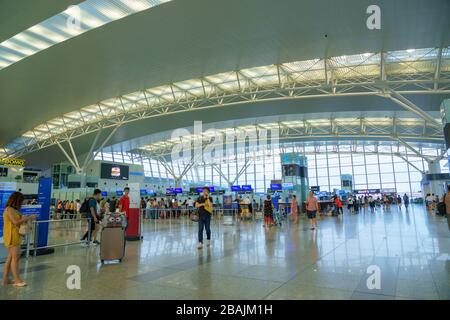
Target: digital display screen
(288,186)
(104,193)
(119,193)
(246,188)
(178,190)
(275,186)
(235,188)
(114,171)
(143,192)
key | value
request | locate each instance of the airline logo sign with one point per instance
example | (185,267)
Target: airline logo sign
(12,162)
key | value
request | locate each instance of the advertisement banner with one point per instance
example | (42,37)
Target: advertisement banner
(134,216)
(44,195)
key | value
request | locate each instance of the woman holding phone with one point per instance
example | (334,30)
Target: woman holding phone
(12,219)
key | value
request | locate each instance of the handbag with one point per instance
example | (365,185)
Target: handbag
(24,229)
(194,216)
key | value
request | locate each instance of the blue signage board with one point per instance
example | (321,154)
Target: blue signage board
(211,189)
(44,195)
(247,187)
(104,194)
(119,193)
(178,190)
(235,188)
(28,210)
(199,190)
(143,192)
(170,190)
(275,186)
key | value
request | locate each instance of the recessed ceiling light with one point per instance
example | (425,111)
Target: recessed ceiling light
(410,50)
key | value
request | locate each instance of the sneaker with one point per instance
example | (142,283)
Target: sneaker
(85,244)
(96,242)
(208,243)
(200,245)
(311,228)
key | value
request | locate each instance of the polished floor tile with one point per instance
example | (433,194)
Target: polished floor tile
(246,261)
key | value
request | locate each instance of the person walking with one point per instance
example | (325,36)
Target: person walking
(399,202)
(406,200)
(294,208)
(312,207)
(205,210)
(268,212)
(94,214)
(446,201)
(12,220)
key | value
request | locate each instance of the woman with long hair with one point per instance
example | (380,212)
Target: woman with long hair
(294,208)
(12,219)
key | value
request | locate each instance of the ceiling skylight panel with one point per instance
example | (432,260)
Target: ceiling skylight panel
(136,5)
(108,9)
(17,47)
(221,77)
(89,14)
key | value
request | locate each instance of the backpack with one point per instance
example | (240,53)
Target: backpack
(84,207)
(441,208)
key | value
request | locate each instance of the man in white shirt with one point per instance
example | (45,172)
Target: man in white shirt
(350,206)
(190,205)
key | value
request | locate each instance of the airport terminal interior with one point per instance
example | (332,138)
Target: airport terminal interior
(225,150)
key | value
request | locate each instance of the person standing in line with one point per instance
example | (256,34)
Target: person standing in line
(12,220)
(338,203)
(406,201)
(399,202)
(350,204)
(294,208)
(312,207)
(124,203)
(190,206)
(446,200)
(371,204)
(268,212)
(93,214)
(205,209)
(112,204)
(78,207)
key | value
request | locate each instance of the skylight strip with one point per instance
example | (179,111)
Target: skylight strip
(68,24)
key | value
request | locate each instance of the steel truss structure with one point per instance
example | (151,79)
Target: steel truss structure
(415,155)
(387,74)
(414,131)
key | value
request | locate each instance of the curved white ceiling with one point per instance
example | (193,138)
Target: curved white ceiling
(402,68)
(72,22)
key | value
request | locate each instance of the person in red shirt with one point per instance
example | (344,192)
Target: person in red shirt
(124,204)
(338,204)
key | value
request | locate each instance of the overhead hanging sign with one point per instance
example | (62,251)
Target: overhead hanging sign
(12,162)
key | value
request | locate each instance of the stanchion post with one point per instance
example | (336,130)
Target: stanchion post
(36,233)
(89,231)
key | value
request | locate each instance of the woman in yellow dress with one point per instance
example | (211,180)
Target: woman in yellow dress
(12,219)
